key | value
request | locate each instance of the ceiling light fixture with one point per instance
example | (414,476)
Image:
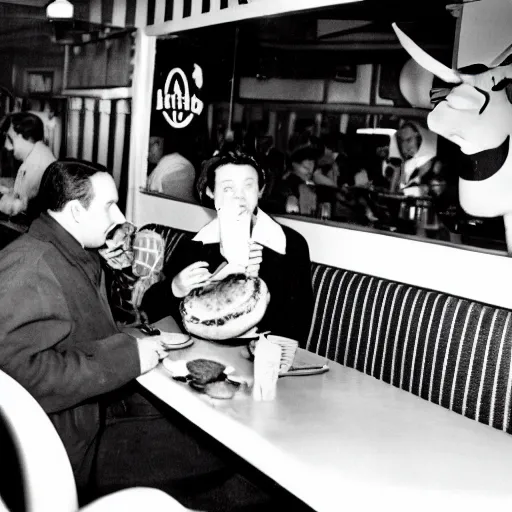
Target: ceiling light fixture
(377,131)
(60,9)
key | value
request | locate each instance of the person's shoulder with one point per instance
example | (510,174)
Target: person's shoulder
(41,158)
(294,240)
(47,154)
(25,255)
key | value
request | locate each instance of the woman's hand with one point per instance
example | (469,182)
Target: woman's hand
(255,259)
(193,276)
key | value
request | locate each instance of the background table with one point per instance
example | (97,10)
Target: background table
(345,439)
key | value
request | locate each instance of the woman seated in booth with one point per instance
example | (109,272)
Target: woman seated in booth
(278,254)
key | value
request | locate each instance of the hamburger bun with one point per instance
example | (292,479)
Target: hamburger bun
(225,309)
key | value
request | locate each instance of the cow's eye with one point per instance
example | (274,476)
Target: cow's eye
(467,97)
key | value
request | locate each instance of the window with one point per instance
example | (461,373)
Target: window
(323,87)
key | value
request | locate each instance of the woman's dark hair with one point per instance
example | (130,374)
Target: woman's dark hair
(28,125)
(236,156)
(66,180)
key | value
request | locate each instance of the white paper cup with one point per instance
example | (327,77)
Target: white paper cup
(288,349)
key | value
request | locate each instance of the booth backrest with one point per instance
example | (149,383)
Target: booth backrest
(448,350)
(445,349)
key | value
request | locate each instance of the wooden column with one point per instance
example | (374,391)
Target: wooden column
(88,131)
(122,110)
(74,109)
(272,124)
(104,109)
(292,118)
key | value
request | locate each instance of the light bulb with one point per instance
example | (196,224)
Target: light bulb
(60,9)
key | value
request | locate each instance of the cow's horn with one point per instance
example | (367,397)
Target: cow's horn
(425,60)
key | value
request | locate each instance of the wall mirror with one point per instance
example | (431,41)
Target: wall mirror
(334,108)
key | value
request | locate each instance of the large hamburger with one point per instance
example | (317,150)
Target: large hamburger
(225,309)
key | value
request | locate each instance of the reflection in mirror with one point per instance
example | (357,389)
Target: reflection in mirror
(332,106)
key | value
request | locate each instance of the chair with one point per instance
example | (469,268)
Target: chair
(38,476)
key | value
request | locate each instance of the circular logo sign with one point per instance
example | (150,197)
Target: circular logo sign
(174,100)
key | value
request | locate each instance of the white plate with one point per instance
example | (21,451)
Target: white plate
(174,340)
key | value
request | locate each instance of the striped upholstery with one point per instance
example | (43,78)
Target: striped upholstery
(448,350)
(171,236)
(445,349)
(120,283)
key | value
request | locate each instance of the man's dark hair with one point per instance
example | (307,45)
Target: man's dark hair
(414,128)
(66,180)
(236,156)
(28,125)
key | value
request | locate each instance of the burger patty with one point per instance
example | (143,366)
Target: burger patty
(203,371)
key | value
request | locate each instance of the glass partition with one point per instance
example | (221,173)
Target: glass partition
(334,109)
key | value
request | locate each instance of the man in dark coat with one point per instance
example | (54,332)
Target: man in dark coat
(57,335)
(59,340)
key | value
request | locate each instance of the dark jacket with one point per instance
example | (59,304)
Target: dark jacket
(288,278)
(57,334)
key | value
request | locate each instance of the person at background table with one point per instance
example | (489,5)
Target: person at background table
(57,335)
(279,255)
(419,171)
(174,176)
(298,190)
(24,137)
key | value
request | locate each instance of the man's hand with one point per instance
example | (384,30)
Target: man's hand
(151,352)
(255,259)
(193,276)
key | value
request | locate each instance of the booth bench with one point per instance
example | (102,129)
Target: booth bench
(445,349)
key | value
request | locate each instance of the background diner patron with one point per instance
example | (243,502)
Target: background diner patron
(24,137)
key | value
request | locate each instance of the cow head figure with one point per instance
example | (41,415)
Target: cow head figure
(473,109)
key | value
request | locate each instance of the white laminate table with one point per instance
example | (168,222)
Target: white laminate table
(347,441)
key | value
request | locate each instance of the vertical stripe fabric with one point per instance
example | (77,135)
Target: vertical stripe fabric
(98,131)
(448,350)
(141,13)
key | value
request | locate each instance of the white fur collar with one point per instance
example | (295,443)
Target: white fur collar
(266,231)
